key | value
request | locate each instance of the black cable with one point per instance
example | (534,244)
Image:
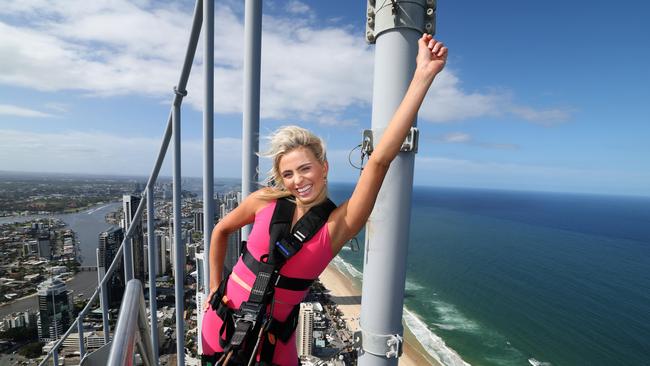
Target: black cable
(350,158)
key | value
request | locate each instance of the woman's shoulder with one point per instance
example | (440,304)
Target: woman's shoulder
(262,198)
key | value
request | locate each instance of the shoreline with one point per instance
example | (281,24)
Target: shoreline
(347,296)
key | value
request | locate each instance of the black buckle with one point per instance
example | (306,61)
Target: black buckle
(245,320)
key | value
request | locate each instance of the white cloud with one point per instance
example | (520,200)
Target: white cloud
(297,7)
(12,110)
(464,138)
(545,117)
(447,101)
(456,137)
(309,72)
(99,152)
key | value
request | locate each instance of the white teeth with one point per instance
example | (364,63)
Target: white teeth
(304,189)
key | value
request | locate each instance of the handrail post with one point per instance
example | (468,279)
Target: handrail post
(153,254)
(80,330)
(251,107)
(55,357)
(208,134)
(179,248)
(103,301)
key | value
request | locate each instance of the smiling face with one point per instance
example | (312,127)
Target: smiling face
(303,175)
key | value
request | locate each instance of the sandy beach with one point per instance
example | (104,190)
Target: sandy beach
(348,297)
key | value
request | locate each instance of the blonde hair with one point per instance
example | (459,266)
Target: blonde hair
(282,141)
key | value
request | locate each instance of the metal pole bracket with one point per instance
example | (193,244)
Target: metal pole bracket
(384,345)
(409,144)
(385,15)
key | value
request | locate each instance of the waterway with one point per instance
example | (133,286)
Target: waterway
(86,224)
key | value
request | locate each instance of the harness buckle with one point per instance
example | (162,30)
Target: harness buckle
(245,320)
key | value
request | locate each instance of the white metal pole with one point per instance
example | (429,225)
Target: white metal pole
(395,27)
(179,246)
(251,116)
(208,137)
(153,255)
(103,300)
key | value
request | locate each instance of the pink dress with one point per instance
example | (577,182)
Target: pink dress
(309,262)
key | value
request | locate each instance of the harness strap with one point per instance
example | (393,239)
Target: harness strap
(284,330)
(288,283)
(252,317)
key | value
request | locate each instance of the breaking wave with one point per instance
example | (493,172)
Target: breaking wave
(433,344)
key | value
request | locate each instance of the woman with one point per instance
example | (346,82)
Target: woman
(300,170)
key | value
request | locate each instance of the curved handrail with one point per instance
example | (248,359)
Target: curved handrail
(132,329)
(181,86)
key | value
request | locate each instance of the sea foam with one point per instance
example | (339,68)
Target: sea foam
(347,268)
(433,344)
(452,319)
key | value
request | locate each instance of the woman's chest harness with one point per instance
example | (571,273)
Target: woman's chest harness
(253,318)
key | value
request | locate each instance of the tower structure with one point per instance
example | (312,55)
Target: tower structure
(305,330)
(230,202)
(130,205)
(54,316)
(109,243)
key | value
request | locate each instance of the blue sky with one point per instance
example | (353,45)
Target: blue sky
(549,96)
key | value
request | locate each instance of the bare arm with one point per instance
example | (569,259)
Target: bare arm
(243,215)
(350,217)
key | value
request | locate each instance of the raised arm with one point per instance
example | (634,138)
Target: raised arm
(349,218)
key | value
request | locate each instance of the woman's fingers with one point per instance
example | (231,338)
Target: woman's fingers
(437,47)
(206,306)
(443,52)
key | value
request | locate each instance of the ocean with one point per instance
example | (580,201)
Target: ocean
(525,278)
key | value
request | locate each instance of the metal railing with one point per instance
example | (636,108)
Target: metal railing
(148,343)
(132,329)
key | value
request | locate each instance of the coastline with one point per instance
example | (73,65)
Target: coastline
(348,298)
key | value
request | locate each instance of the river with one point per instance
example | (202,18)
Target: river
(86,224)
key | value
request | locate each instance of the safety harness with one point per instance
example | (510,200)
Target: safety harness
(251,326)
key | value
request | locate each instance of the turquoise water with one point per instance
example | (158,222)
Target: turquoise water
(514,278)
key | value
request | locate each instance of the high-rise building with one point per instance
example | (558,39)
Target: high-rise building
(44,246)
(166,252)
(230,201)
(29,248)
(109,243)
(54,316)
(19,320)
(198,222)
(200,297)
(130,206)
(305,329)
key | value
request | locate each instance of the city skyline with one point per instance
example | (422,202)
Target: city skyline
(534,97)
